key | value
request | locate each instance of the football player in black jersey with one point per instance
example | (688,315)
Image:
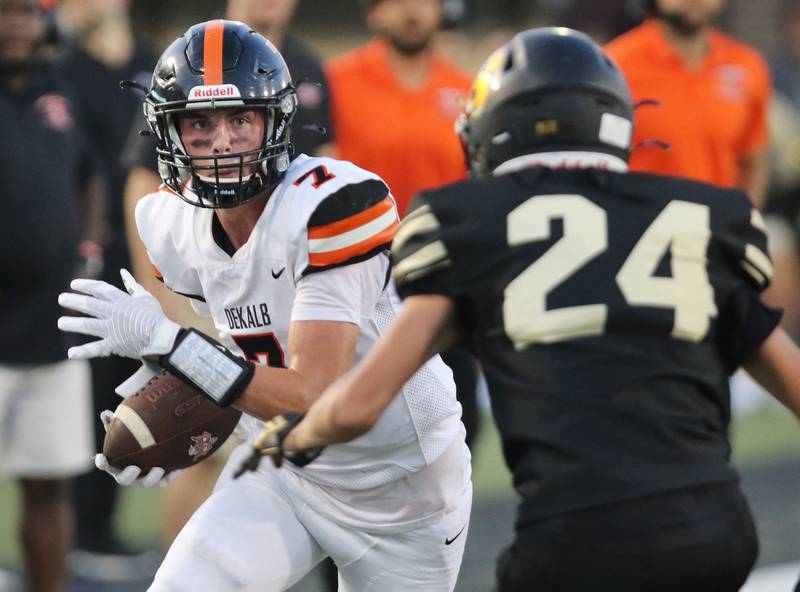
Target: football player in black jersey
(607,309)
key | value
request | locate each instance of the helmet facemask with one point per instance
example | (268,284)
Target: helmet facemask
(197,179)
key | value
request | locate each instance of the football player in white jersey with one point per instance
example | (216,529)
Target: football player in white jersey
(289,258)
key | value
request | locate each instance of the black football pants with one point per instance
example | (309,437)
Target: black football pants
(700,539)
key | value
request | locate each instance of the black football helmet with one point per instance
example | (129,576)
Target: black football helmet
(547,89)
(221,65)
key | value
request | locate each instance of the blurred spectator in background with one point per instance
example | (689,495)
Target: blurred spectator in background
(784,194)
(600,20)
(783,197)
(786,64)
(713,94)
(270,18)
(785,287)
(51,202)
(101,50)
(395,102)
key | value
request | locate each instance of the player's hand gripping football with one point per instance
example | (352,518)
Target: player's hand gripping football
(269,442)
(129,324)
(132,475)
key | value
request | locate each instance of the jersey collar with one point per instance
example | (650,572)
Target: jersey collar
(564,160)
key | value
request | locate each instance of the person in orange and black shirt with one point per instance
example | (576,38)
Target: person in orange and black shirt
(50,228)
(712,93)
(394,103)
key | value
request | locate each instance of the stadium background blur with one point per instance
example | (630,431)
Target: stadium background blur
(766,439)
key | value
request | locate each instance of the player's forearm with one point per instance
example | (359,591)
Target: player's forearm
(322,427)
(354,403)
(275,390)
(320,352)
(776,367)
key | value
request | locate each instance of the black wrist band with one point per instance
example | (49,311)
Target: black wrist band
(208,366)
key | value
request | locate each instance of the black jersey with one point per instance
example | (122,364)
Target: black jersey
(607,310)
(44,163)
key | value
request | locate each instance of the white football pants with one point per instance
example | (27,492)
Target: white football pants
(252,535)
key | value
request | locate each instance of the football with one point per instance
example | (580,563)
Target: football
(167,424)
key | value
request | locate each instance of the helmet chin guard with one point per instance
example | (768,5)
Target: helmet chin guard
(221,65)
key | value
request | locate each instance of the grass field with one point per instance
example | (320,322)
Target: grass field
(768,436)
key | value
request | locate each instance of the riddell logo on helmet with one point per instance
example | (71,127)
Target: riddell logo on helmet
(214,91)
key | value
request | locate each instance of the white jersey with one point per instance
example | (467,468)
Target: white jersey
(326,216)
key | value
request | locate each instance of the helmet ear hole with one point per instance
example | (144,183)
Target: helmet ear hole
(509,63)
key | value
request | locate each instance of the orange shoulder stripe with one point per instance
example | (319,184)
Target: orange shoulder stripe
(352,222)
(365,246)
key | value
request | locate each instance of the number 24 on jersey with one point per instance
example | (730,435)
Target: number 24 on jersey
(682,228)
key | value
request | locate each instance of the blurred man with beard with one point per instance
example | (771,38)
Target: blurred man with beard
(712,93)
(51,214)
(395,101)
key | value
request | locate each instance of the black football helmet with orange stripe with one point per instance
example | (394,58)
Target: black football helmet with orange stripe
(221,65)
(548,89)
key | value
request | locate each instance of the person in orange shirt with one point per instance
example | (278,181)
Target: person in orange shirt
(712,92)
(395,101)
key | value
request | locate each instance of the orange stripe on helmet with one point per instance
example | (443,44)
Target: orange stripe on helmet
(352,222)
(212,52)
(341,255)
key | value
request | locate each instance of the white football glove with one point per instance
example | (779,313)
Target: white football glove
(129,324)
(156,477)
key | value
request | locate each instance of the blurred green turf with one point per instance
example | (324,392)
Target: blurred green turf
(771,435)
(767,436)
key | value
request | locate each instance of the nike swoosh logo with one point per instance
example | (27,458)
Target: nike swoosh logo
(450,541)
(277,275)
